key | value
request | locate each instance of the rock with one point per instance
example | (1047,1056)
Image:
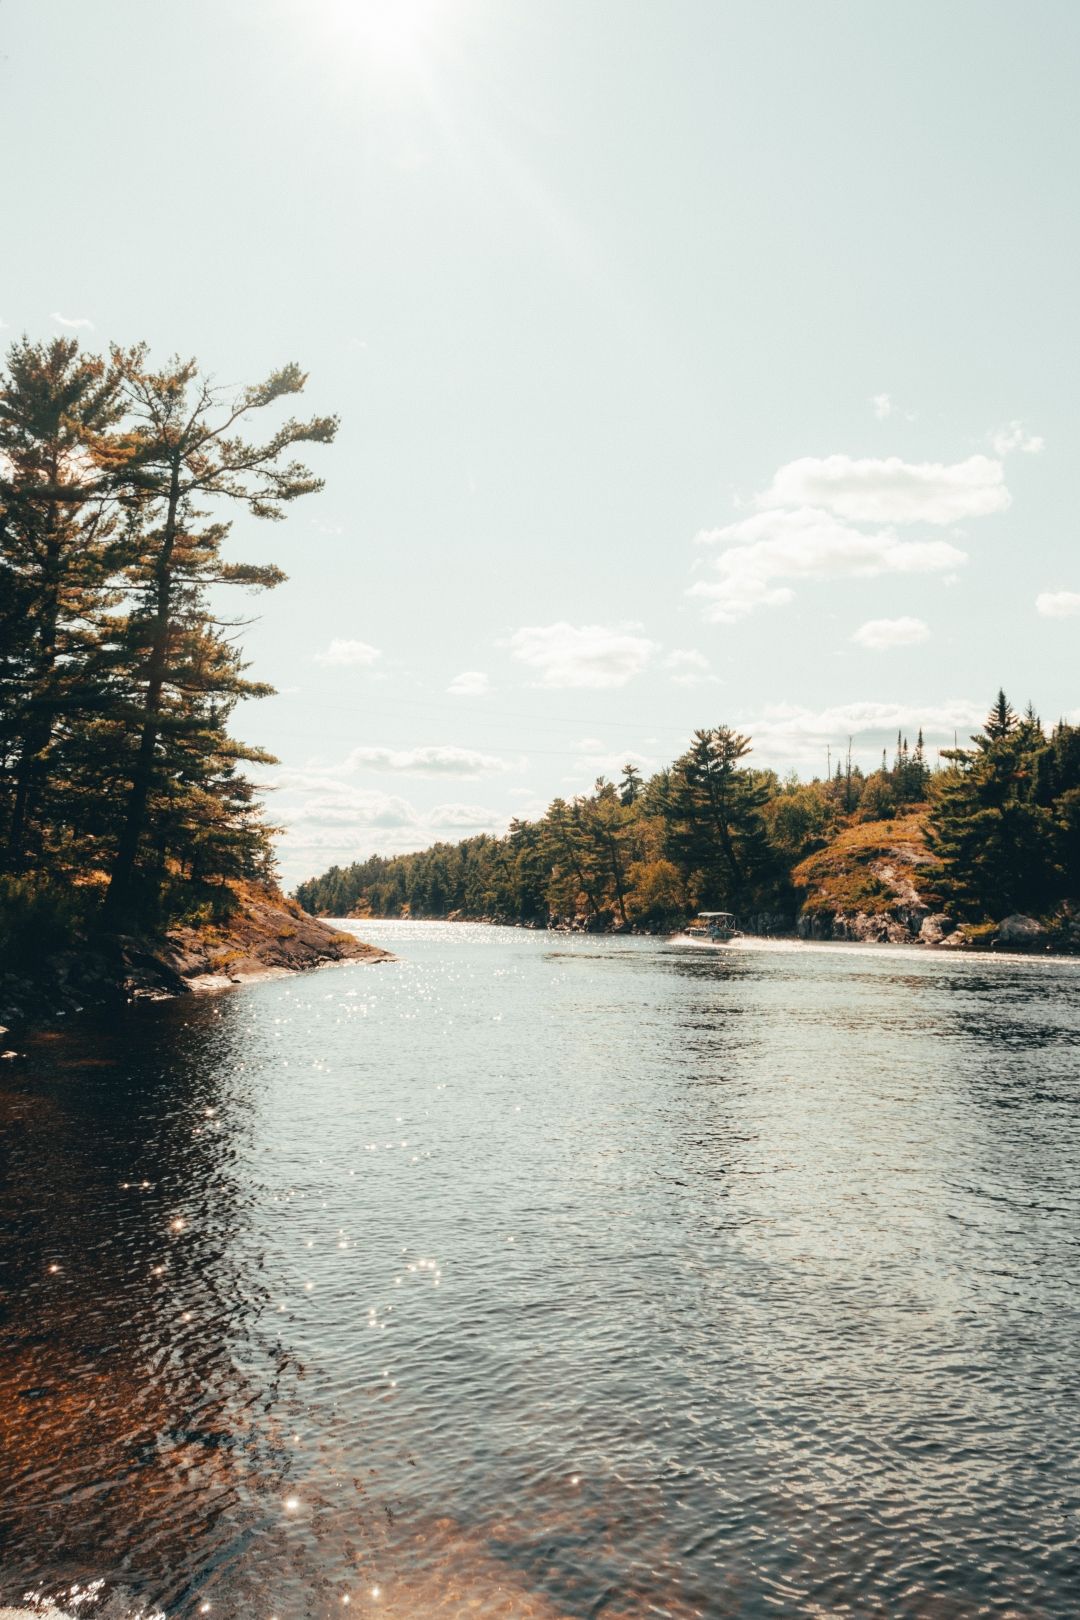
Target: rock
(48,1613)
(935,928)
(814,925)
(264,935)
(871,928)
(1020,930)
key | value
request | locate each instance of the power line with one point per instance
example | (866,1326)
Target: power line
(452,708)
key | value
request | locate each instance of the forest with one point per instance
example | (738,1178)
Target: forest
(1001,822)
(124,801)
(124,804)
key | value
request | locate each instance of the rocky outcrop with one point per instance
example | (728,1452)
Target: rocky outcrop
(873,883)
(264,935)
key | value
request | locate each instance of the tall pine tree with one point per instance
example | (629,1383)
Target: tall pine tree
(187,457)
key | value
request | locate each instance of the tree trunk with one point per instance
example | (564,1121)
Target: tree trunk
(724,833)
(616,874)
(39,720)
(118,900)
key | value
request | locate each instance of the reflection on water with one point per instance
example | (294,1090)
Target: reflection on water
(552,1279)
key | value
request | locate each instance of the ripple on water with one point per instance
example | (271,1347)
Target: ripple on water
(606,1278)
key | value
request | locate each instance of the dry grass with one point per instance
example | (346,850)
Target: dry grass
(854,872)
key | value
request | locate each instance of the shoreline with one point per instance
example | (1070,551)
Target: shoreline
(1035,947)
(266,937)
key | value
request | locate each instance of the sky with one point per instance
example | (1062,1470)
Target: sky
(699,362)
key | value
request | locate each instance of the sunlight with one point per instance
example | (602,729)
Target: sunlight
(392,33)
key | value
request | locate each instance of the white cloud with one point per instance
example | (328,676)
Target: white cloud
(771,547)
(75,322)
(441,759)
(685,658)
(788,735)
(349,655)
(882,406)
(1014,436)
(466,818)
(470,683)
(1058,604)
(881,634)
(324,817)
(686,667)
(598,759)
(593,655)
(316,808)
(351,808)
(889,490)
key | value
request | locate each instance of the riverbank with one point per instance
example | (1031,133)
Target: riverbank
(901,924)
(264,935)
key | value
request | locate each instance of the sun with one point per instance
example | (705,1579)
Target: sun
(395,33)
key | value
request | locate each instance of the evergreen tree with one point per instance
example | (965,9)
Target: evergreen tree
(996,842)
(711,831)
(630,785)
(60,520)
(714,817)
(605,819)
(185,446)
(1000,721)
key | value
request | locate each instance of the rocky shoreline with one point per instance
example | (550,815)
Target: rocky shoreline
(907,921)
(265,937)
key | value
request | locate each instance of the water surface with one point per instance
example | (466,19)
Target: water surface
(552,1276)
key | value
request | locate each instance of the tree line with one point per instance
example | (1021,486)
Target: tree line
(712,832)
(123,798)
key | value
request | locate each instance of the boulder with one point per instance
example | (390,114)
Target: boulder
(871,928)
(936,928)
(1020,930)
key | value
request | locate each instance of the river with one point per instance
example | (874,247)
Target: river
(541,1276)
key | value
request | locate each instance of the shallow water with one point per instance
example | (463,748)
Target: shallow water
(551,1276)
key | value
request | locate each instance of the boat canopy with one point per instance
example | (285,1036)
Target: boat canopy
(709,916)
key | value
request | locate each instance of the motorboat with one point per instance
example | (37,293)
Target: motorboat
(714,926)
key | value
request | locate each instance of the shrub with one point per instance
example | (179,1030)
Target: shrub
(37,920)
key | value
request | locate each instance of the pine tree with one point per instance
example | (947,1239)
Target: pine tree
(185,446)
(714,822)
(60,534)
(1001,720)
(631,784)
(996,841)
(605,819)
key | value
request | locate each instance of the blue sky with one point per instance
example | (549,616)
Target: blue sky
(696,362)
